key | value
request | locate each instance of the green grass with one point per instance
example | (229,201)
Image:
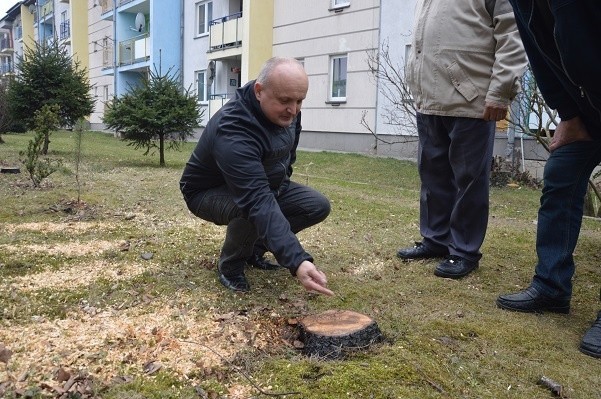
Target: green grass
(64,265)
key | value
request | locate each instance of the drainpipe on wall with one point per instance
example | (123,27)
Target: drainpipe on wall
(181,43)
(115,48)
(377,87)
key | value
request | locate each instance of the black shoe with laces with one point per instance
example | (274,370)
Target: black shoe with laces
(455,267)
(419,251)
(259,262)
(237,282)
(591,342)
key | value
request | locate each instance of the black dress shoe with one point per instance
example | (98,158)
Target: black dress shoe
(532,301)
(455,267)
(260,262)
(419,251)
(591,343)
(237,283)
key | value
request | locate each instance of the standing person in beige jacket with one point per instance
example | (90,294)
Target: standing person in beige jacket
(463,70)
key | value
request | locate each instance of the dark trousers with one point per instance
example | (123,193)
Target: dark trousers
(565,179)
(454,160)
(301,205)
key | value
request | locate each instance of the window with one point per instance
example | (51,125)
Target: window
(338,78)
(338,5)
(203,86)
(204,15)
(407,52)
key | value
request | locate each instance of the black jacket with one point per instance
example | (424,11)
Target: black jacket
(561,38)
(253,157)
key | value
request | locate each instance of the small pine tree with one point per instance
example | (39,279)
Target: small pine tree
(78,130)
(48,75)
(153,113)
(5,117)
(46,119)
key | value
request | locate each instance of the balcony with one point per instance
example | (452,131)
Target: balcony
(6,68)
(65,30)
(6,45)
(106,6)
(107,57)
(225,33)
(47,9)
(134,50)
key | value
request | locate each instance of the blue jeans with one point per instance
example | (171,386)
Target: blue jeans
(301,205)
(565,180)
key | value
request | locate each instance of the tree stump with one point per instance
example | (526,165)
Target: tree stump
(10,169)
(333,333)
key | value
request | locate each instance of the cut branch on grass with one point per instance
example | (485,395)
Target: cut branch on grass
(554,387)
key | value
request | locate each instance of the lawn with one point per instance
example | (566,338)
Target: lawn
(116,296)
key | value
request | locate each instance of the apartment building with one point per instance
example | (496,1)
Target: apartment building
(333,39)
(43,21)
(226,43)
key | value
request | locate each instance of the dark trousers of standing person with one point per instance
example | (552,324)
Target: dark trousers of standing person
(565,179)
(454,161)
(301,205)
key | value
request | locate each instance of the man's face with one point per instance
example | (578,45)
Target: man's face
(282,98)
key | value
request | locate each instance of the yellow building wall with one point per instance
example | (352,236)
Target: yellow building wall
(27,21)
(257,37)
(79,33)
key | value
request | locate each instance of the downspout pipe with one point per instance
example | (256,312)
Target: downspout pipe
(181,44)
(115,48)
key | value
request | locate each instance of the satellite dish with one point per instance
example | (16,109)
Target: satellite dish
(140,22)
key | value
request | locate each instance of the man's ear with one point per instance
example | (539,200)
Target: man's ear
(258,89)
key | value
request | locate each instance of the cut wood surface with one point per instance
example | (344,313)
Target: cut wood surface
(334,332)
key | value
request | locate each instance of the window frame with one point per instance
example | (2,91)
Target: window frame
(331,98)
(206,92)
(339,5)
(208,17)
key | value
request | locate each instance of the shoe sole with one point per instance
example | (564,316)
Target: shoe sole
(559,309)
(589,353)
(453,276)
(230,287)
(405,258)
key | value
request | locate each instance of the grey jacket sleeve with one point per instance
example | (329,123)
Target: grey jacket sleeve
(510,57)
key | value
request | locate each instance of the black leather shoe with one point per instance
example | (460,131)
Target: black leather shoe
(237,283)
(455,267)
(532,301)
(591,343)
(419,251)
(260,262)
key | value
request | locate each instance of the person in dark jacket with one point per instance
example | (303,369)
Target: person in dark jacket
(561,38)
(239,175)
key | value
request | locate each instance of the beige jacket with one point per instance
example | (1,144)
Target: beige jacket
(463,53)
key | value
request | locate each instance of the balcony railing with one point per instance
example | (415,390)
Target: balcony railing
(5,68)
(226,32)
(136,49)
(47,9)
(65,30)
(107,57)
(6,44)
(106,5)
